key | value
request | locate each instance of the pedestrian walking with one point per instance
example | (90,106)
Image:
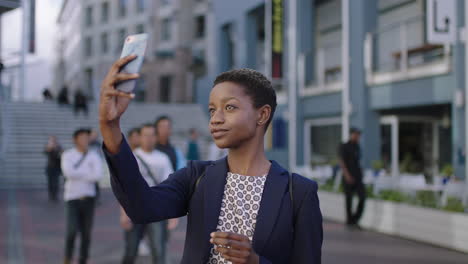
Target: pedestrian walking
(155,167)
(53,150)
(241,209)
(350,155)
(82,169)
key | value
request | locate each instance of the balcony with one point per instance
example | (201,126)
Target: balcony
(399,52)
(326,71)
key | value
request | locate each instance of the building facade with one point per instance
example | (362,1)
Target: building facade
(91,38)
(92,34)
(403,91)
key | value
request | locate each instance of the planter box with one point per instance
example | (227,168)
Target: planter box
(441,228)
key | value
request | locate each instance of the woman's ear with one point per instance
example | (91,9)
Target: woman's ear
(264,114)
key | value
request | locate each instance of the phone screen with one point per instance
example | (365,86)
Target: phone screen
(134,44)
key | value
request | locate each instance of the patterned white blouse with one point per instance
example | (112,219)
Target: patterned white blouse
(239,208)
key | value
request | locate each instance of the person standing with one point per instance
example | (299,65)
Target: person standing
(53,151)
(80,103)
(193,151)
(82,169)
(155,168)
(163,127)
(350,154)
(133,233)
(241,209)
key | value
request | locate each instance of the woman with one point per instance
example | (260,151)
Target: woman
(240,208)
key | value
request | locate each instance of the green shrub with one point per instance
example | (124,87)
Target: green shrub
(377,165)
(393,196)
(454,205)
(426,199)
(447,170)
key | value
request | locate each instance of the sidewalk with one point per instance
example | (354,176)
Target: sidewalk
(32,231)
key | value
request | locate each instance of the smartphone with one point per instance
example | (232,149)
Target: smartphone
(134,44)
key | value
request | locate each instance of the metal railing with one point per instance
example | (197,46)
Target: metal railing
(399,46)
(326,69)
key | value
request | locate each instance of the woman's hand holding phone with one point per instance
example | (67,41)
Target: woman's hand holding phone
(113,103)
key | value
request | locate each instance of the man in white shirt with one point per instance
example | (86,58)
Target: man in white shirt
(82,169)
(155,167)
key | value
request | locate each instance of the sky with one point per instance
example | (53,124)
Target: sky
(46,16)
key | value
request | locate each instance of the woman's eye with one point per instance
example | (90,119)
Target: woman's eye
(230,107)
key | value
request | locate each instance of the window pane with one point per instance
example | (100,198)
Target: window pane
(325,141)
(122,8)
(166,29)
(165,88)
(140,28)
(140,5)
(88,47)
(89,16)
(121,35)
(104,42)
(89,80)
(200,27)
(105,12)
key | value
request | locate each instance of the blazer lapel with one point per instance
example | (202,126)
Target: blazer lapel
(213,194)
(273,192)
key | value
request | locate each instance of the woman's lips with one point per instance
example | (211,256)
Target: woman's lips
(218,133)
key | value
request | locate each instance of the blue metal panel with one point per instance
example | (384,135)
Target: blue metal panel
(427,91)
(321,105)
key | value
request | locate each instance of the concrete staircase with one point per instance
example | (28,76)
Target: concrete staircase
(25,127)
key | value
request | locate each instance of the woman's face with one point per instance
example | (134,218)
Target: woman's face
(233,118)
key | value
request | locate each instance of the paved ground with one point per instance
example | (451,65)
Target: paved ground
(32,231)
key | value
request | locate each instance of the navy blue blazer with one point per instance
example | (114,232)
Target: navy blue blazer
(279,237)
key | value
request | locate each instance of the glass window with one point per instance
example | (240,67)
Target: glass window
(140,28)
(228,47)
(324,143)
(121,35)
(105,12)
(89,16)
(165,88)
(104,42)
(140,5)
(88,46)
(200,26)
(166,29)
(122,8)
(89,81)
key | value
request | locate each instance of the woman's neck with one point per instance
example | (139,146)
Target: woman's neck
(249,159)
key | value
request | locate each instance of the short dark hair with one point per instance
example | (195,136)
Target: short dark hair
(80,131)
(355,130)
(147,125)
(161,118)
(255,84)
(133,131)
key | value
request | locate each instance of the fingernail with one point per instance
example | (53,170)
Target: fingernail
(211,240)
(212,234)
(132,95)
